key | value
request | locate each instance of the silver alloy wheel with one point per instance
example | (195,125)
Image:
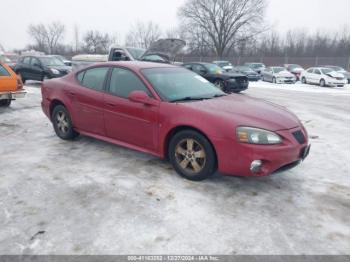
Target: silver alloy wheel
(190,155)
(219,84)
(62,122)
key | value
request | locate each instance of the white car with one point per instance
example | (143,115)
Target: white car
(278,75)
(323,77)
(226,65)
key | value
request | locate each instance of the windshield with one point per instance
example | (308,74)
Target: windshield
(245,69)
(214,69)
(326,70)
(222,64)
(136,52)
(337,68)
(291,67)
(173,84)
(257,65)
(278,69)
(51,61)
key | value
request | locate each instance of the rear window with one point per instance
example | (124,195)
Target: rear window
(93,78)
(3,71)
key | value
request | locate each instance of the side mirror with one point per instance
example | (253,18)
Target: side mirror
(142,98)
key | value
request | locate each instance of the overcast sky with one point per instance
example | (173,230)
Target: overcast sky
(116,16)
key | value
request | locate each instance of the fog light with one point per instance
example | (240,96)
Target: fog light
(255,166)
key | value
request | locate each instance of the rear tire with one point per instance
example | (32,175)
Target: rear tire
(192,155)
(62,123)
(5,102)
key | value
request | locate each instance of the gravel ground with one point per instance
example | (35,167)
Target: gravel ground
(91,197)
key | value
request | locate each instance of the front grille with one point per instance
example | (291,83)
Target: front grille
(299,136)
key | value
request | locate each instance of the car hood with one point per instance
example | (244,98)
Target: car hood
(246,111)
(284,74)
(297,70)
(335,74)
(167,48)
(61,68)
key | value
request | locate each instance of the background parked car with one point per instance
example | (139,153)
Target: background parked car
(161,51)
(9,58)
(226,65)
(227,82)
(248,72)
(341,71)
(295,70)
(11,86)
(40,68)
(63,59)
(324,77)
(278,75)
(257,67)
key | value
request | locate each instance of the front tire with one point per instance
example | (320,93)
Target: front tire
(5,102)
(322,83)
(303,80)
(192,155)
(62,123)
(274,80)
(219,84)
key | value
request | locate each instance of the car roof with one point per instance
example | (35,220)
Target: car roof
(199,63)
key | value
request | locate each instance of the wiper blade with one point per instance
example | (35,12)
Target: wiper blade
(189,98)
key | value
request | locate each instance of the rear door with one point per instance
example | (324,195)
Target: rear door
(87,100)
(8,82)
(127,121)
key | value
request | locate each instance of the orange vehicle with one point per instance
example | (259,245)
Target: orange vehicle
(11,86)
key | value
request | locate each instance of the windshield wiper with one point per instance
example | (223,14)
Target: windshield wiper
(189,98)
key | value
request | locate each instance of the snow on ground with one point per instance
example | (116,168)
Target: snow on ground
(91,197)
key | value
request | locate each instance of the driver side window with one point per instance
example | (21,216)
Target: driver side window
(123,82)
(198,69)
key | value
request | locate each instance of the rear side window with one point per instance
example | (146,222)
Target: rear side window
(123,82)
(93,78)
(3,71)
(310,71)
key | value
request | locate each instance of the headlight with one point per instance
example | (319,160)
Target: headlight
(257,136)
(54,71)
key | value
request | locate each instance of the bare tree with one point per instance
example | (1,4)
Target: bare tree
(47,38)
(226,22)
(96,42)
(76,39)
(143,34)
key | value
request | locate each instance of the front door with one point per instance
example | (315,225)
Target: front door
(127,121)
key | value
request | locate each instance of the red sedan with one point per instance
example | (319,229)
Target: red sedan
(173,113)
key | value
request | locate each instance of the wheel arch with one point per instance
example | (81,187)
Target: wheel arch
(180,128)
(53,104)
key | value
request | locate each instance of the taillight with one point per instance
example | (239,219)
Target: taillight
(19,83)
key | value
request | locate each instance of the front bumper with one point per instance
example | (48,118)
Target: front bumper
(285,80)
(12,95)
(236,86)
(236,159)
(336,83)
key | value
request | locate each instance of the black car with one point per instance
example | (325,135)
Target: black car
(227,82)
(40,68)
(248,72)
